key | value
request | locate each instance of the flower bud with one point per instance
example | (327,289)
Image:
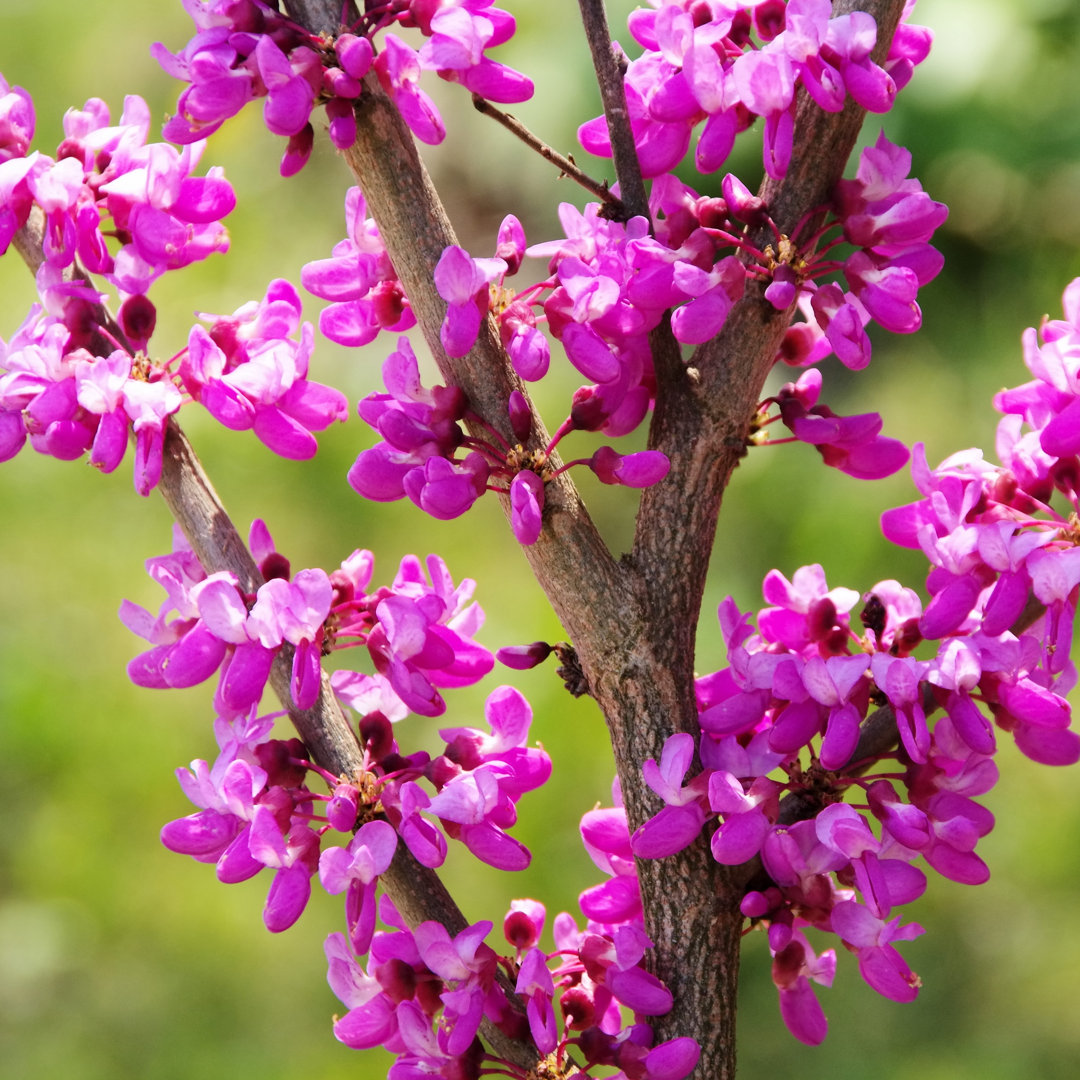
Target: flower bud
(523,657)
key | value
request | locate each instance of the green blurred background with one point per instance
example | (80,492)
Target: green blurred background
(120,960)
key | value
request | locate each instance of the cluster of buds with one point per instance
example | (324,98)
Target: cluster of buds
(75,383)
(798,691)
(244,51)
(728,64)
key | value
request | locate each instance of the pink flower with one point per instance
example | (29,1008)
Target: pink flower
(463,282)
(355,870)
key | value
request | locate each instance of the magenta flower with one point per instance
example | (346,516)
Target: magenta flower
(398,68)
(871,938)
(227,794)
(410,646)
(467,967)
(294,611)
(371,1020)
(607,840)
(419,426)
(643,469)
(535,985)
(360,281)
(16,121)
(748,816)
(225,614)
(794,965)
(294,856)
(289,95)
(463,282)
(900,679)
(444,489)
(355,870)
(681,820)
(526,506)
(459,36)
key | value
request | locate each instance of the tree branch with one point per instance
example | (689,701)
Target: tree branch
(566,165)
(417,891)
(570,559)
(609,77)
(622,652)
(321,16)
(700,421)
(633,626)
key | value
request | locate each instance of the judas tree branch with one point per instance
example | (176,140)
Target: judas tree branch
(570,559)
(632,624)
(609,77)
(621,644)
(703,410)
(701,421)
(321,17)
(417,891)
(702,417)
(565,165)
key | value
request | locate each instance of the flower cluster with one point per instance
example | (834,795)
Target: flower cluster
(610,284)
(249,374)
(107,181)
(478,779)
(255,813)
(425,994)
(74,382)
(255,808)
(66,386)
(419,635)
(728,64)
(245,50)
(797,695)
(421,436)
(67,402)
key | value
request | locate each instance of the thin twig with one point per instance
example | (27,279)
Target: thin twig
(609,76)
(566,166)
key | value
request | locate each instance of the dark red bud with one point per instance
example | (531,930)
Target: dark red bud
(275,565)
(524,657)
(588,411)
(138,317)
(377,735)
(520,416)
